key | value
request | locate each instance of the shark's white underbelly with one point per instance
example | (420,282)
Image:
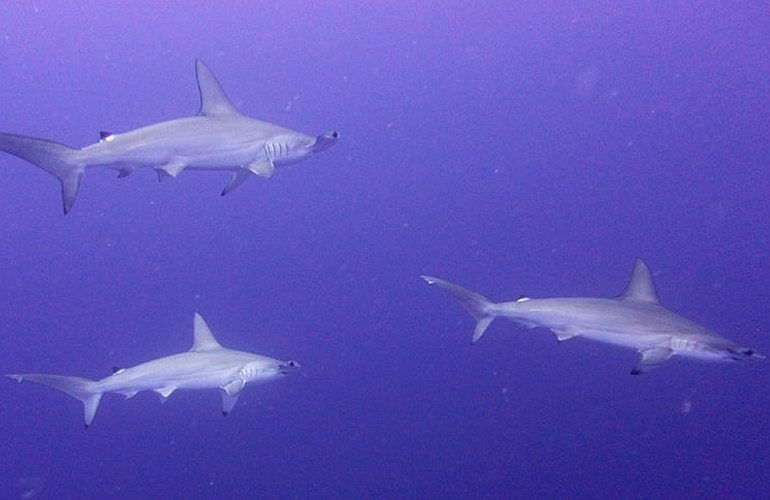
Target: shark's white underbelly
(626,339)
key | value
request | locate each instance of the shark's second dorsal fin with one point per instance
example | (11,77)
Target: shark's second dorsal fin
(203,339)
(214,102)
(640,288)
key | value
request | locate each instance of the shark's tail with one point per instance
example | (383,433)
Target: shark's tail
(481,308)
(52,157)
(77,387)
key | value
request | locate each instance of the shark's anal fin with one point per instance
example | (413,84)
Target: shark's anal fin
(230,393)
(651,358)
(262,168)
(238,178)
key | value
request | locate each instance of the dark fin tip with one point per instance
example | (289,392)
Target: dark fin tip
(85,427)
(224,413)
(636,371)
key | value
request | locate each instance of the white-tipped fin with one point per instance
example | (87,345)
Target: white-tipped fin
(641,287)
(214,101)
(477,305)
(203,339)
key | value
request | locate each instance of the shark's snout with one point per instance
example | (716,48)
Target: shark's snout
(744,353)
(325,141)
(288,367)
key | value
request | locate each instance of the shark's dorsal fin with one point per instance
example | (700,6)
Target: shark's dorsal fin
(214,102)
(640,288)
(203,339)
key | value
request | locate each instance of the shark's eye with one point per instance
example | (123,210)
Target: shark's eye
(335,134)
(292,364)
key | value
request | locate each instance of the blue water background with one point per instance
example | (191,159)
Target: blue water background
(532,147)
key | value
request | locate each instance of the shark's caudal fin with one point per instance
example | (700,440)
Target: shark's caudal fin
(77,387)
(52,157)
(479,306)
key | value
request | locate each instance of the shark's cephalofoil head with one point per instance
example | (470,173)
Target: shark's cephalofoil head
(287,367)
(264,370)
(291,148)
(743,353)
(325,141)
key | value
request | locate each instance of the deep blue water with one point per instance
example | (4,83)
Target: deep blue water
(532,147)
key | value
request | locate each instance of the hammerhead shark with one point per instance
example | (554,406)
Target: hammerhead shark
(207,365)
(219,137)
(635,319)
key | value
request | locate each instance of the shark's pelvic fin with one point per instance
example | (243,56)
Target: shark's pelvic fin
(214,101)
(77,387)
(263,168)
(238,178)
(124,171)
(165,392)
(562,335)
(641,287)
(54,158)
(477,305)
(203,339)
(651,358)
(172,168)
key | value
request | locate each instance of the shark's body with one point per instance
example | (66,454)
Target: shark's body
(635,320)
(207,365)
(217,138)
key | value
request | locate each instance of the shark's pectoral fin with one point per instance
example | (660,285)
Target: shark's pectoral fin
(228,402)
(230,393)
(238,178)
(651,358)
(170,169)
(234,388)
(263,168)
(165,392)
